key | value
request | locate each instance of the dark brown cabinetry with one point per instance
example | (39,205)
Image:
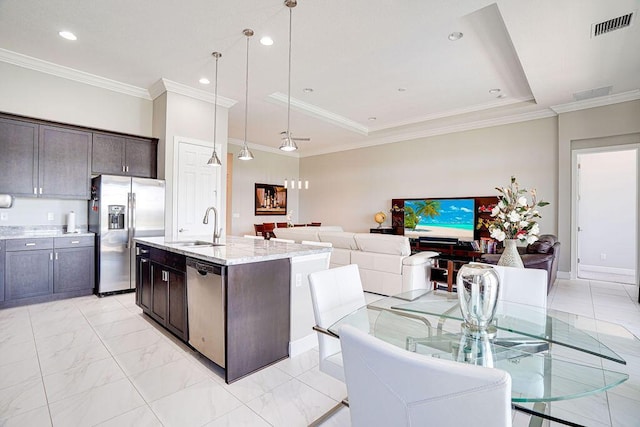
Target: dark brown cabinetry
(64,157)
(44,161)
(118,155)
(18,157)
(161,288)
(42,269)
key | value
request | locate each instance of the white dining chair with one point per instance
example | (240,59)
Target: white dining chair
(277,239)
(249,236)
(389,386)
(334,294)
(521,285)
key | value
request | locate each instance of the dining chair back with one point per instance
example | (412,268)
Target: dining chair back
(249,236)
(282,224)
(259,228)
(334,294)
(389,386)
(521,285)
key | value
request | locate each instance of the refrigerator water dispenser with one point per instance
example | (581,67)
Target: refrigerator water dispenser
(116,217)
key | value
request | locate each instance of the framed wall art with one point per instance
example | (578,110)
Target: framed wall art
(270,199)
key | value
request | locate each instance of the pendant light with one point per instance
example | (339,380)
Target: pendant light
(215,160)
(288,144)
(245,154)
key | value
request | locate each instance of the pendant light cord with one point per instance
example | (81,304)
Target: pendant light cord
(215,106)
(289,87)
(246,96)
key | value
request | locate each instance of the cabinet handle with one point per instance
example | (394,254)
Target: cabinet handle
(143,260)
(29,244)
(75,242)
(51,256)
(35,190)
(40,190)
(165,275)
(56,256)
(122,168)
(127,168)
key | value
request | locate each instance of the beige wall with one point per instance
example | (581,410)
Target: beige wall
(44,96)
(620,121)
(265,168)
(348,188)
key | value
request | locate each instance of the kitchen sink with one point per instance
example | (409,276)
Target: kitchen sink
(197,244)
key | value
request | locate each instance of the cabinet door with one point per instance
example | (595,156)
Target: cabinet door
(177,315)
(64,163)
(141,158)
(108,154)
(73,269)
(28,274)
(143,284)
(18,157)
(159,292)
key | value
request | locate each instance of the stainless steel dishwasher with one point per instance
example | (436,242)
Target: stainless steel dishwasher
(206,309)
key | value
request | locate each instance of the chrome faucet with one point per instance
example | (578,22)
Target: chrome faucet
(216,233)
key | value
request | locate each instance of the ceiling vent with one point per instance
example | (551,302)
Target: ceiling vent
(611,25)
(593,93)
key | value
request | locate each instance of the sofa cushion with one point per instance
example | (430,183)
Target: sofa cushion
(377,262)
(339,239)
(383,244)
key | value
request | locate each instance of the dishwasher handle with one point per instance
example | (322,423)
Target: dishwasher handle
(204,268)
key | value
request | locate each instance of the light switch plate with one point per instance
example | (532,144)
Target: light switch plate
(50,216)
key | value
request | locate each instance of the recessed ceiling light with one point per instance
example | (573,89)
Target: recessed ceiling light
(372,119)
(402,89)
(266,40)
(204,81)
(456,35)
(67,35)
(307,90)
(494,91)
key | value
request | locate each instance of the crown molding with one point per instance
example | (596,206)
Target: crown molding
(602,101)
(163,85)
(46,67)
(319,113)
(461,127)
(260,147)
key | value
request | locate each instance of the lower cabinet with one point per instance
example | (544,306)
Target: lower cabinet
(162,289)
(2,270)
(41,267)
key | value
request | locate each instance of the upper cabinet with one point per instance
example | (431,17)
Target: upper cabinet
(119,155)
(64,166)
(18,157)
(44,161)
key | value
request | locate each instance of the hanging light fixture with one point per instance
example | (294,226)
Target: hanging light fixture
(215,160)
(292,184)
(245,154)
(288,144)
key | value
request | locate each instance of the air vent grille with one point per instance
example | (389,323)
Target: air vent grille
(611,25)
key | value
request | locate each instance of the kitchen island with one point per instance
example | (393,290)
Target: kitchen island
(231,301)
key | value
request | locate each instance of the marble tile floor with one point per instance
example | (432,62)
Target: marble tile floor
(99,362)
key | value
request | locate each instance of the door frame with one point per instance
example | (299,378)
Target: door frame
(599,145)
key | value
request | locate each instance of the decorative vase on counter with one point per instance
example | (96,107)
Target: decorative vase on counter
(510,256)
(478,287)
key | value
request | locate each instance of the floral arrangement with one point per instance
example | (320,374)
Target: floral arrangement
(289,221)
(514,215)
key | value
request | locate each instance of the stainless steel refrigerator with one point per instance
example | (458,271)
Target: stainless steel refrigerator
(120,209)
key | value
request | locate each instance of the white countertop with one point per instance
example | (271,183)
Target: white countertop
(235,250)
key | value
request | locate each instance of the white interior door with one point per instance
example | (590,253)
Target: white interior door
(607,213)
(198,188)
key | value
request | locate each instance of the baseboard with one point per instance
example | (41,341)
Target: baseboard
(563,275)
(303,344)
(607,274)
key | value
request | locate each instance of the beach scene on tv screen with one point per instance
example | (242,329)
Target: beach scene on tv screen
(448,218)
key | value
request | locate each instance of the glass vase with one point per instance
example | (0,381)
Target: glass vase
(478,287)
(510,256)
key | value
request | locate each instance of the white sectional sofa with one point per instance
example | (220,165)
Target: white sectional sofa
(385,261)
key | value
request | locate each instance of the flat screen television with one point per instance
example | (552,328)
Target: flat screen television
(441,219)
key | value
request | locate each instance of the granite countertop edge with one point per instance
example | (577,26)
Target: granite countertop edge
(41,234)
(236,250)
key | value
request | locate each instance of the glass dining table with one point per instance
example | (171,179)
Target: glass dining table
(557,360)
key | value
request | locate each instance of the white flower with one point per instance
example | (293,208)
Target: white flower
(498,234)
(514,217)
(535,229)
(524,224)
(522,201)
(531,239)
(496,210)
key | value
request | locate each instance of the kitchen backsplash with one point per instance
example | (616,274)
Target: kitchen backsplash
(44,213)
